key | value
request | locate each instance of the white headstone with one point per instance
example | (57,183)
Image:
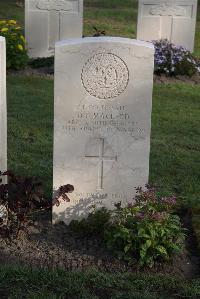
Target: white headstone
(103,97)
(3,107)
(49,21)
(174,20)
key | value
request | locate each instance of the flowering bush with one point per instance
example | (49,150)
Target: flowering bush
(146,230)
(15,44)
(174,60)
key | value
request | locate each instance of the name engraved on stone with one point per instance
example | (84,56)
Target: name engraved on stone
(105,76)
(166,9)
(58,5)
(108,118)
(101,158)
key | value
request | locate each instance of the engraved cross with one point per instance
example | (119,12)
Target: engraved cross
(54,9)
(101,158)
(167,12)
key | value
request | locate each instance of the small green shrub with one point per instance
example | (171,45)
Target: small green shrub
(16,52)
(42,62)
(146,231)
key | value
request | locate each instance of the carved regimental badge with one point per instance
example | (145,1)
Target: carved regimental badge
(58,5)
(168,9)
(105,76)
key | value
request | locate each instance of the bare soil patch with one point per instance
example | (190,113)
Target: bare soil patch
(45,72)
(178,79)
(56,246)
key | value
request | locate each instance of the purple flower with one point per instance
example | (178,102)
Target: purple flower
(168,58)
(140,215)
(170,201)
(158,216)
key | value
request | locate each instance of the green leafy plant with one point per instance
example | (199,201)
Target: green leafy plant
(16,52)
(146,231)
(42,62)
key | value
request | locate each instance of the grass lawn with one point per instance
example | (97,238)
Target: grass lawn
(26,283)
(30,127)
(175,148)
(174,161)
(9,11)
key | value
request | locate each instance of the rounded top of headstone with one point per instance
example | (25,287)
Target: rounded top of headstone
(104,39)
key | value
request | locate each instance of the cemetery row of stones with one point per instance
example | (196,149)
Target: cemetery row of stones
(169,24)
(102,121)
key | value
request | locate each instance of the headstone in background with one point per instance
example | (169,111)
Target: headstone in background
(102,121)
(49,21)
(174,20)
(3,107)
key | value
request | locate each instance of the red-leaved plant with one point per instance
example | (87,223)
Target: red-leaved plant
(19,199)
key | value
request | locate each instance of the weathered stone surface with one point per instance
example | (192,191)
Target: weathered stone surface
(103,96)
(49,21)
(3,108)
(174,20)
